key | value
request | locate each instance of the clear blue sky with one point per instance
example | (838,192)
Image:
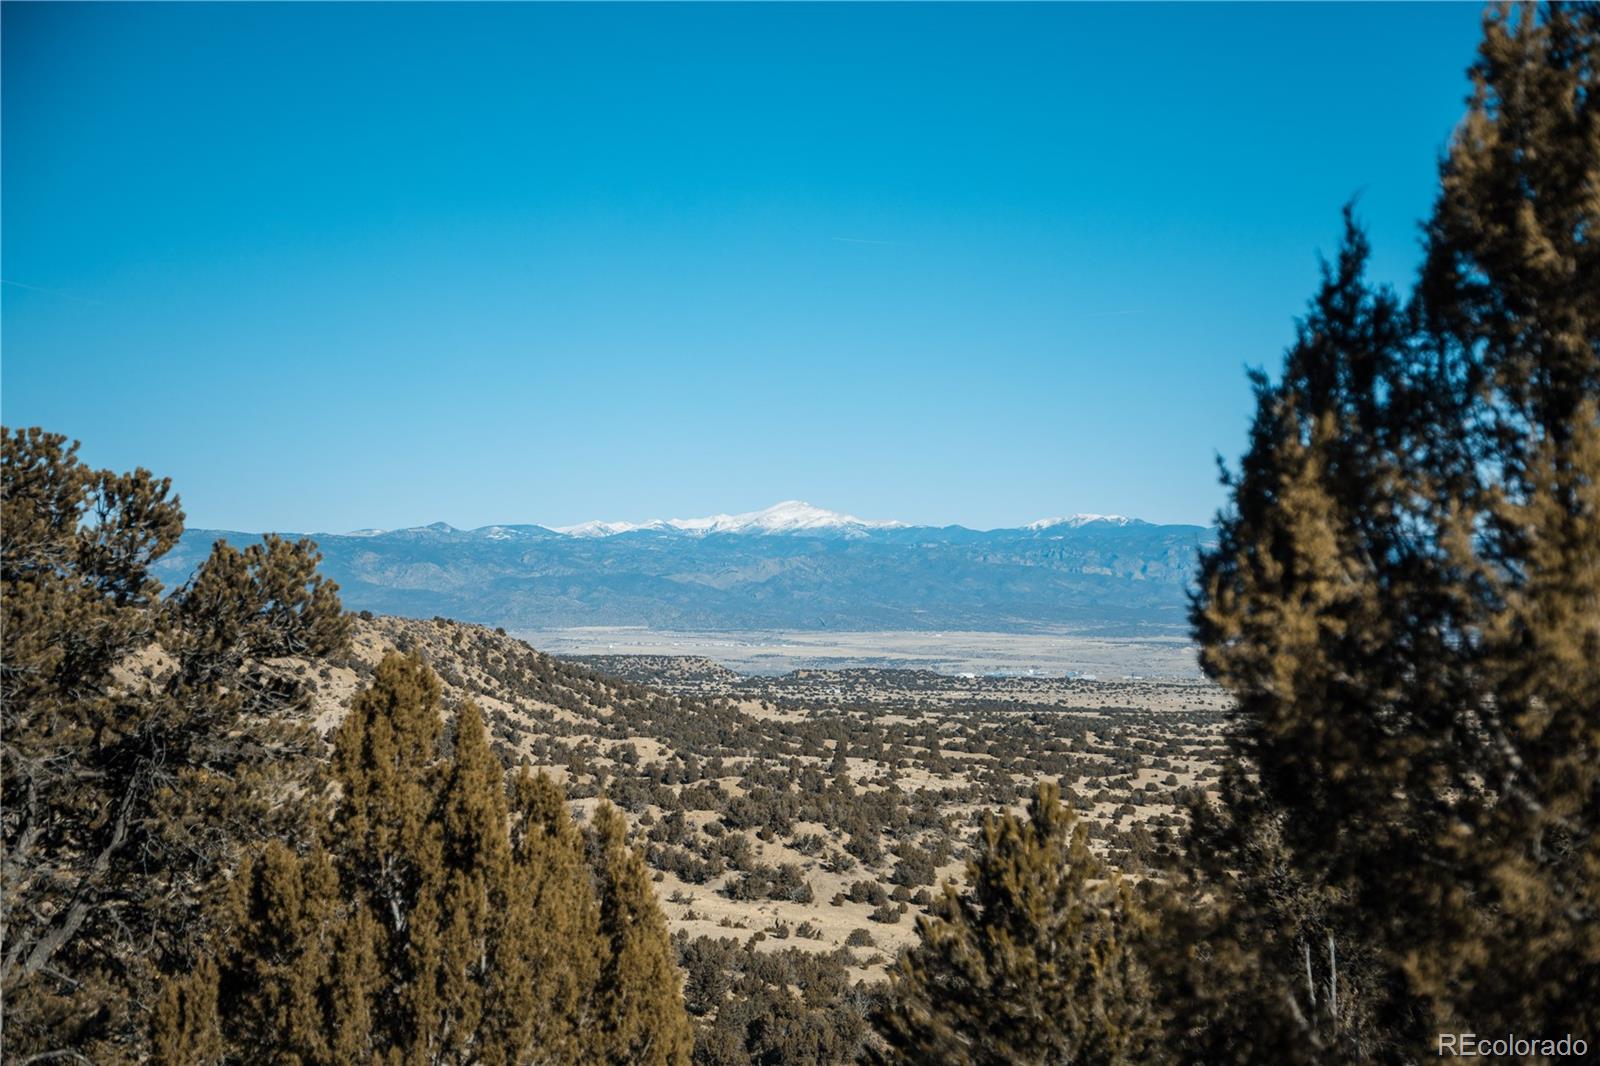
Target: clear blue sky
(367,265)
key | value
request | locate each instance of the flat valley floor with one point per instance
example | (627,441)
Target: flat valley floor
(823,807)
(1162,655)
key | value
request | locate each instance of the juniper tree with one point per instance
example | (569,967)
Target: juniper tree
(1032,964)
(1509,300)
(297,978)
(640,1017)
(352,951)
(480,964)
(551,1016)
(426,924)
(1405,602)
(1301,617)
(388,842)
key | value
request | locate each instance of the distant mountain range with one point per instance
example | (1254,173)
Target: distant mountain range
(790,566)
(790,516)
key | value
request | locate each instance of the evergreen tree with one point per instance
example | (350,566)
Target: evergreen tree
(480,964)
(1304,612)
(640,1018)
(428,926)
(550,1010)
(1405,601)
(127,789)
(1032,964)
(388,840)
(302,992)
(1509,299)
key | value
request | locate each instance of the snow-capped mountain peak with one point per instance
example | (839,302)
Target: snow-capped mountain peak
(606,529)
(790,516)
(498,532)
(1076,520)
(787,517)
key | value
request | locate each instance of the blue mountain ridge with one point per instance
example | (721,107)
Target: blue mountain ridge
(1118,576)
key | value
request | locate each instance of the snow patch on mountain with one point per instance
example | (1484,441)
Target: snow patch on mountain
(790,516)
(606,529)
(1076,520)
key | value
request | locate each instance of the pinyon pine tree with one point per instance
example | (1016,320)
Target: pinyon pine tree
(146,744)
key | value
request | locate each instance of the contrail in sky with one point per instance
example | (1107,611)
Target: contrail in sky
(52,292)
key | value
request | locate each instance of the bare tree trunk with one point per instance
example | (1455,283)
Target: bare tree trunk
(1333,982)
(1311,985)
(83,899)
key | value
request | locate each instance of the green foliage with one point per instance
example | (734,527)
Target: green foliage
(790,1006)
(557,918)
(1032,964)
(429,925)
(147,743)
(639,1008)
(1403,602)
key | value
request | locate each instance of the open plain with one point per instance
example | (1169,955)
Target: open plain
(1113,654)
(821,808)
